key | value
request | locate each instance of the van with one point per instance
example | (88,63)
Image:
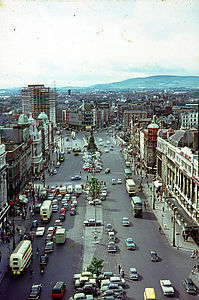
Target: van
(78,188)
(111,236)
(149,294)
(70,189)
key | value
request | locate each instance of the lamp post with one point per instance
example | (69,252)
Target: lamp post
(14,244)
(153,196)
(174,225)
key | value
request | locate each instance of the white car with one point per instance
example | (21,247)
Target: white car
(108,142)
(54,171)
(119,181)
(167,287)
(106,150)
(113,181)
(40,231)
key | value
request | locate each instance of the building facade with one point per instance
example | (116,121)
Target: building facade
(37,99)
(4,206)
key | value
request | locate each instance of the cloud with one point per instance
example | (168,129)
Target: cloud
(96,41)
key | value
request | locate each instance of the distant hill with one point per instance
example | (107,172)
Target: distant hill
(152,82)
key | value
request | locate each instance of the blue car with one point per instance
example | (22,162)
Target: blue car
(76,177)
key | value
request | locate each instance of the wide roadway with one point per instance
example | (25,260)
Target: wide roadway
(67,259)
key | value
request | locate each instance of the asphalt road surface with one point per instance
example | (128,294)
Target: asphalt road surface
(67,259)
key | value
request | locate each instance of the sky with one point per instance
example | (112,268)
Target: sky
(84,42)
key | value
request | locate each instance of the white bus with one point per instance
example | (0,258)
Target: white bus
(130,187)
(46,210)
(21,257)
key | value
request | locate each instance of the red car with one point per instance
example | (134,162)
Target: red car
(62,211)
(58,289)
(72,206)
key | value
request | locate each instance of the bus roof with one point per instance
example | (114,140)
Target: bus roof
(46,203)
(22,246)
(130,181)
(127,170)
(136,199)
(60,230)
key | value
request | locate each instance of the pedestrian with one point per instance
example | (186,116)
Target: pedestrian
(144,205)
(119,268)
(163,209)
(31,272)
(159,229)
(122,273)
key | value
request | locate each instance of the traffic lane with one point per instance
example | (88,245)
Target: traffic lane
(63,262)
(146,236)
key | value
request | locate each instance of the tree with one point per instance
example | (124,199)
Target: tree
(96,266)
(94,187)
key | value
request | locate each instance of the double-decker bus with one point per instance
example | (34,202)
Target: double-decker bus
(136,206)
(130,187)
(21,257)
(46,210)
(127,173)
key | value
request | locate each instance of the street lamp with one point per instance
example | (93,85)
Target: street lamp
(174,225)
(14,244)
(153,196)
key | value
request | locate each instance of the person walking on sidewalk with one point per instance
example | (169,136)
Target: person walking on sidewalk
(31,272)
(0,255)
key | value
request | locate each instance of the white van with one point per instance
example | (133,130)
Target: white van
(78,188)
(70,189)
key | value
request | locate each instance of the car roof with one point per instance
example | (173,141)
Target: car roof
(58,284)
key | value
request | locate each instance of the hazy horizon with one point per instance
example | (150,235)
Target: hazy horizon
(82,43)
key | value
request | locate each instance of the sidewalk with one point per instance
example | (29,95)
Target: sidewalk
(7,248)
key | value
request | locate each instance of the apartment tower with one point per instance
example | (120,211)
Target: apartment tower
(38,98)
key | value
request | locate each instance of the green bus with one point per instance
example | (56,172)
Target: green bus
(60,236)
(127,173)
(136,206)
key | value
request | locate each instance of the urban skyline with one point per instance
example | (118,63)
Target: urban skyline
(83,43)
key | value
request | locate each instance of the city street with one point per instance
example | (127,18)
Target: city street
(67,259)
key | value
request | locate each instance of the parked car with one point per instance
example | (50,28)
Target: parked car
(35,291)
(189,286)
(118,280)
(167,287)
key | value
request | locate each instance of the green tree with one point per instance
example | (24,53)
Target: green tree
(94,187)
(96,266)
